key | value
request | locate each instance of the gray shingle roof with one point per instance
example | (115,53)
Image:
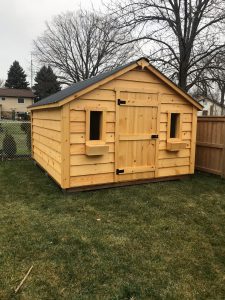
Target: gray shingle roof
(25,93)
(79,86)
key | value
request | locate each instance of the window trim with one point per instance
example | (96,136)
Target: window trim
(20,98)
(102,125)
(179,127)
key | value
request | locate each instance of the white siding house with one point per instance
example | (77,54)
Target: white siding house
(14,102)
(210,107)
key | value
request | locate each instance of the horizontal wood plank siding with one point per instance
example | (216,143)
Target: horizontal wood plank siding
(52,147)
(175,163)
(52,114)
(139,76)
(87,170)
(92,179)
(46,141)
(82,159)
(52,144)
(47,124)
(49,169)
(174,171)
(48,133)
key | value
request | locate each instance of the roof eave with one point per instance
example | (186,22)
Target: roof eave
(87,89)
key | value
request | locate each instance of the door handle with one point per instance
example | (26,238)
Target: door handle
(154,136)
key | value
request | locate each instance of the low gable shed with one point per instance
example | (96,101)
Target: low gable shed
(128,125)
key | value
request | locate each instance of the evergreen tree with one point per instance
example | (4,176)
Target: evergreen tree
(16,77)
(46,83)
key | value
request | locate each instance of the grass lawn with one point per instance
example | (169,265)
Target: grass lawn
(153,241)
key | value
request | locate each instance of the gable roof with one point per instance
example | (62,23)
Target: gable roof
(78,86)
(25,93)
(55,99)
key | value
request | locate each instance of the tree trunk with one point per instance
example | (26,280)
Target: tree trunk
(182,76)
(222,96)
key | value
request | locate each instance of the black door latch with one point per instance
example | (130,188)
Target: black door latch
(119,171)
(154,136)
(119,102)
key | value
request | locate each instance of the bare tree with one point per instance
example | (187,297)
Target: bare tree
(218,77)
(81,45)
(182,34)
(212,81)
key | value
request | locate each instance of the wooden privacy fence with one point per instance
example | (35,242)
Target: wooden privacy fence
(210,152)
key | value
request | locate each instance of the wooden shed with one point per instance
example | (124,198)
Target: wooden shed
(124,126)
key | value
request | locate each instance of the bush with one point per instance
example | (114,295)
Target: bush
(9,146)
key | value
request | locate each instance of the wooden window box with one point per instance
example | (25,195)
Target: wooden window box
(173,145)
(96,148)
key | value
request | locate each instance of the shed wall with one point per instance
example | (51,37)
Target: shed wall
(86,170)
(46,140)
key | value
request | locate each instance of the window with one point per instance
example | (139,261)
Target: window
(3,98)
(96,132)
(174,125)
(20,100)
(95,125)
(205,112)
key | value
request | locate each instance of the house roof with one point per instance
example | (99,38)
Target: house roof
(83,85)
(25,93)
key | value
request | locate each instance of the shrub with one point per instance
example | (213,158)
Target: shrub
(9,145)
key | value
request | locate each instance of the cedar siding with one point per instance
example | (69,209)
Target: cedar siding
(130,133)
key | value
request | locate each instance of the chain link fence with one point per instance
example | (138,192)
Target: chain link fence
(15,139)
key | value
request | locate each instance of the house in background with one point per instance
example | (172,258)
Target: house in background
(14,102)
(210,107)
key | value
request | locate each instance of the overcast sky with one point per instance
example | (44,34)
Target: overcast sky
(21,21)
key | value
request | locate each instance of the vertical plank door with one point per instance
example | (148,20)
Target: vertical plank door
(137,134)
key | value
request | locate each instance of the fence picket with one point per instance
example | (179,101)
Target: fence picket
(210,152)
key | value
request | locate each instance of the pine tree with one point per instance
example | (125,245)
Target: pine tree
(46,83)
(16,77)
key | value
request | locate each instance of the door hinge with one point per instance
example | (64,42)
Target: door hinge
(119,102)
(154,136)
(119,171)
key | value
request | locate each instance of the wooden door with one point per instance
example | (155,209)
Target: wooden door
(136,136)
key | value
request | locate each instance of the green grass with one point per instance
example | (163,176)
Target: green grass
(18,134)
(153,241)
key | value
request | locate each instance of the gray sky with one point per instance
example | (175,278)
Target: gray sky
(21,21)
